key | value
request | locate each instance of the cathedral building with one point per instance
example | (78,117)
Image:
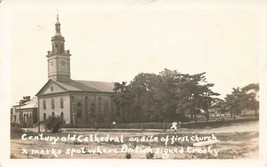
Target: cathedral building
(78,102)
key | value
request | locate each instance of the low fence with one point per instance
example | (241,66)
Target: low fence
(218,123)
(200,125)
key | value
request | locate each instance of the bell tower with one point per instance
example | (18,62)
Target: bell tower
(58,59)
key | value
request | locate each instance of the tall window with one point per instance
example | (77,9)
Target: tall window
(100,110)
(44,117)
(62,115)
(117,111)
(44,104)
(79,110)
(53,114)
(52,103)
(106,108)
(61,103)
(87,106)
(93,110)
(25,117)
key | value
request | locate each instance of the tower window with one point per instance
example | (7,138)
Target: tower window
(56,47)
(53,114)
(44,104)
(61,49)
(52,103)
(61,103)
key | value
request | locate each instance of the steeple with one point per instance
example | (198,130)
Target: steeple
(58,26)
(58,57)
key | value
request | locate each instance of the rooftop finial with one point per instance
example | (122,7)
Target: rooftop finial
(57,26)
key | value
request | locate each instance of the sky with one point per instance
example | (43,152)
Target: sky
(116,42)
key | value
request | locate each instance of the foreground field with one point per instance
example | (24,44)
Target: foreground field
(239,141)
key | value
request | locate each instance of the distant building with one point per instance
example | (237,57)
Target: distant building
(15,116)
(28,113)
(25,112)
(78,102)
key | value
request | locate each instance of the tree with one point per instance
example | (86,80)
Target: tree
(207,98)
(122,98)
(143,89)
(218,105)
(252,97)
(234,102)
(54,124)
(196,94)
(241,99)
(166,96)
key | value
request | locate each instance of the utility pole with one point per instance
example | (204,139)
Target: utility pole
(38,116)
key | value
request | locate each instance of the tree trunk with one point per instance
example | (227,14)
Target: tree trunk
(207,116)
(192,116)
(195,116)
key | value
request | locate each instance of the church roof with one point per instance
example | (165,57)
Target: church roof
(80,86)
(91,86)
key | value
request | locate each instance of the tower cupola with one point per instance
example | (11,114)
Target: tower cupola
(58,57)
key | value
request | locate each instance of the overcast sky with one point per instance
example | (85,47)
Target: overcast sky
(116,42)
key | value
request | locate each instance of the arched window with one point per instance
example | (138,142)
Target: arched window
(44,104)
(62,115)
(61,103)
(44,116)
(53,114)
(52,103)
(27,118)
(79,110)
(93,110)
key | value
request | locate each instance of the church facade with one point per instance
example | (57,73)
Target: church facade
(78,102)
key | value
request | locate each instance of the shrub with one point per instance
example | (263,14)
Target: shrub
(54,124)
(128,156)
(12,156)
(149,155)
(16,131)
